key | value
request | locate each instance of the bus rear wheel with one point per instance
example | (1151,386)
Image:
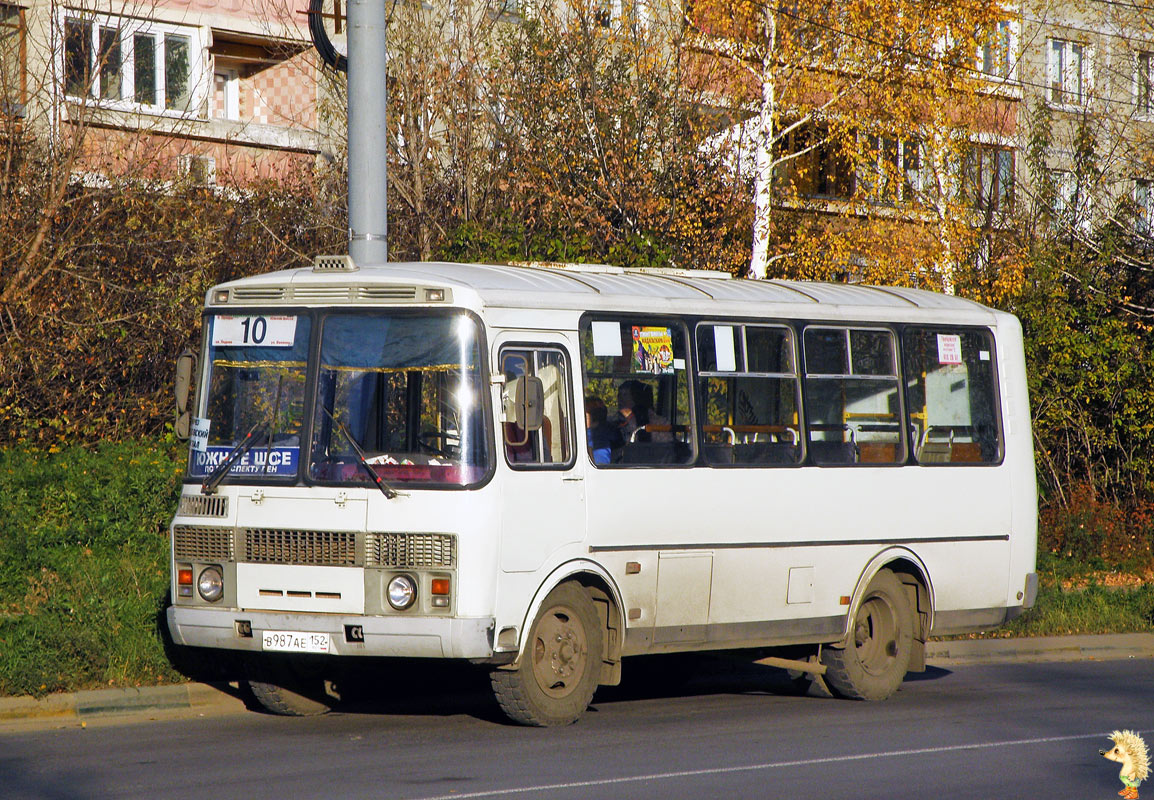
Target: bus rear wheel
(291,690)
(874,661)
(560,666)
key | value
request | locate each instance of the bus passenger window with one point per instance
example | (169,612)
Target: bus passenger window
(637,369)
(551,445)
(950,395)
(851,395)
(749,394)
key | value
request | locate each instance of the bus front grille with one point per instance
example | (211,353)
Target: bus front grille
(321,548)
(194,543)
(411,550)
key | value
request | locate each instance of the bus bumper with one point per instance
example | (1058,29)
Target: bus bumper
(401,637)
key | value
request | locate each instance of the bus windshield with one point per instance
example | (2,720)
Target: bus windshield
(406,389)
(255,398)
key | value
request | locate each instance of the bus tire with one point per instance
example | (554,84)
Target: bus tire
(874,661)
(291,692)
(560,666)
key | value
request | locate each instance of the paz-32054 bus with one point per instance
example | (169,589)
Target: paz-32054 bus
(544,470)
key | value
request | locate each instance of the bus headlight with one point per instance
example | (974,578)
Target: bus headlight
(402,592)
(211,584)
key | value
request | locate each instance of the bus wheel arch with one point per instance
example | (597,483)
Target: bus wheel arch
(886,628)
(580,588)
(553,680)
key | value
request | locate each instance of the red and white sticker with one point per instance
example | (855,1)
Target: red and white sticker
(949,348)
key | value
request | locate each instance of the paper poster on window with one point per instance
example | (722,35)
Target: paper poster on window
(652,350)
(723,348)
(949,348)
(198,435)
(606,338)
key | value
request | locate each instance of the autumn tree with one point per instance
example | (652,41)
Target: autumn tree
(859,104)
(105,249)
(598,131)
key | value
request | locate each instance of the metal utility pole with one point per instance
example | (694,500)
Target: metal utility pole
(368,127)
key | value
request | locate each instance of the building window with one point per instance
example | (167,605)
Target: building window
(127,63)
(1067,71)
(891,170)
(994,53)
(1144,84)
(814,165)
(1144,201)
(1071,200)
(988,178)
(12,58)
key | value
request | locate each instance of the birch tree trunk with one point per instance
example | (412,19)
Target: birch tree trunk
(763,150)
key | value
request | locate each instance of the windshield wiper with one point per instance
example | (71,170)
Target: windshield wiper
(242,447)
(386,490)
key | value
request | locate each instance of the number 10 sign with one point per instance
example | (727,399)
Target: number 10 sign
(253,331)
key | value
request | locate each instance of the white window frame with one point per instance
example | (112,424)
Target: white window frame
(199,78)
(1061,72)
(1144,201)
(1144,83)
(1065,186)
(1005,37)
(230,92)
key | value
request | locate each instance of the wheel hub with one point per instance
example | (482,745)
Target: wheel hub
(559,653)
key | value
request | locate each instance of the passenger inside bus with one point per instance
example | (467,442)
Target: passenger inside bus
(636,419)
(603,439)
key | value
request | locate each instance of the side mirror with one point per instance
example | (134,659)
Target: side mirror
(185,373)
(524,403)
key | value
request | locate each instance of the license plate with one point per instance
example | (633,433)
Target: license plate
(295,642)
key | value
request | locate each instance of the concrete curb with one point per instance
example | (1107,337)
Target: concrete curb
(188,699)
(1024,650)
(201,699)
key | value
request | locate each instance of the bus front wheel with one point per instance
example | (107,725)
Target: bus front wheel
(876,655)
(291,690)
(560,666)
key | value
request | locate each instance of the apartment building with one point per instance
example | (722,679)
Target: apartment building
(220,92)
(1088,73)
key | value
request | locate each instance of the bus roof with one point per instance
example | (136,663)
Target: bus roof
(580,286)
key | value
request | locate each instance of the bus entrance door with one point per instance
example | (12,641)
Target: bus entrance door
(544,499)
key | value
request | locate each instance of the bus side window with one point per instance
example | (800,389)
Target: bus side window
(551,445)
(851,395)
(749,393)
(951,389)
(638,368)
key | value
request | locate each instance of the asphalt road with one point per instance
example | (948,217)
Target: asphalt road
(999,731)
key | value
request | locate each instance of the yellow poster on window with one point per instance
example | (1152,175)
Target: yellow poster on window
(652,350)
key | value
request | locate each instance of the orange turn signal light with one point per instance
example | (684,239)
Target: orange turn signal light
(440,586)
(184,576)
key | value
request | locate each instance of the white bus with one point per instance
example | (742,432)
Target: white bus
(545,470)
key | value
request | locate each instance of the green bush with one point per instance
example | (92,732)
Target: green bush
(84,565)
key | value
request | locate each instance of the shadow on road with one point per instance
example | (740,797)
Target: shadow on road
(435,688)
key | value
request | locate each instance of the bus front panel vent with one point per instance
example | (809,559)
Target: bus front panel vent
(313,548)
(321,294)
(412,550)
(203,505)
(195,543)
(258,294)
(387,293)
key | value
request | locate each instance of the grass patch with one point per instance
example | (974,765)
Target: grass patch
(84,565)
(1085,597)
